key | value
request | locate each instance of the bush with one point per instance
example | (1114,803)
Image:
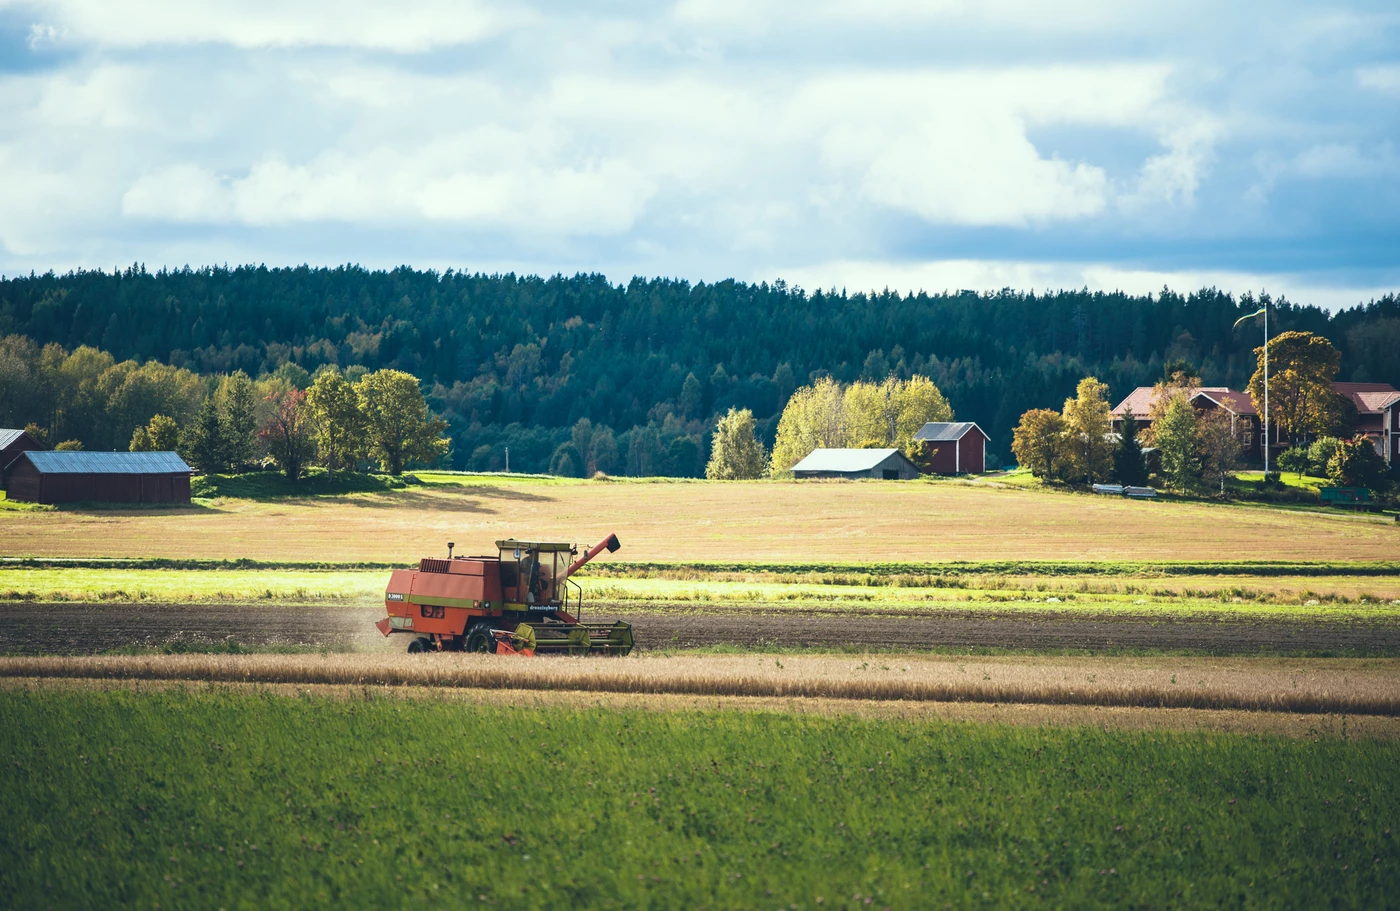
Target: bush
(1320,455)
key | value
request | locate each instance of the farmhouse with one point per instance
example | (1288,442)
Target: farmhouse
(957,447)
(12,443)
(1377,415)
(99,477)
(885,464)
(1244,417)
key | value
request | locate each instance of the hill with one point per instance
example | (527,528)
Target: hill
(518,361)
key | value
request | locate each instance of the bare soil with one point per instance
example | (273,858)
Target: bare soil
(70,628)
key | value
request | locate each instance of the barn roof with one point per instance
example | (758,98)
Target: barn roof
(9,436)
(107,462)
(843,459)
(1139,401)
(938,432)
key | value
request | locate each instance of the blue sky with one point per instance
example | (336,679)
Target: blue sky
(938,144)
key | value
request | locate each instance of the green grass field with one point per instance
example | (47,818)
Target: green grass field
(241,799)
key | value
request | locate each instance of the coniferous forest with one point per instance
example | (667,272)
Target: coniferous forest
(634,377)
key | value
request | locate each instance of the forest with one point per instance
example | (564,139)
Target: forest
(636,376)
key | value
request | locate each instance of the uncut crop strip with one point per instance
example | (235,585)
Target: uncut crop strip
(1372,688)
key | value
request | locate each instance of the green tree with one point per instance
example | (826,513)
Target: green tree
(692,397)
(238,411)
(202,444)
(735,451)
(812,419)
(70,446)
(1176,441)
(682,457)
(37,434)
(338,420)
(1088,421)
(1128,465)
(567,461)
(602,452)
(1355,463)
(286,432)
(1039,443)
(1217,445)
(1302,367)
(163,433)
(1295,459)
(401,430)
(1319,454)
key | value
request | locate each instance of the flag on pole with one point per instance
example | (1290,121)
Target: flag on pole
(1258,312)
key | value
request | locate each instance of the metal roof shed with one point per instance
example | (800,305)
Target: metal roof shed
(884,464)
(100,477)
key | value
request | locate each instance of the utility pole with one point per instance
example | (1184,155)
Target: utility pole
(507,460)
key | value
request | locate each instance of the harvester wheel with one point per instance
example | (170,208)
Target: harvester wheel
(420,645)
(479,639)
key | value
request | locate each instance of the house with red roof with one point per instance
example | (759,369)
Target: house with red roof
(1377,416)
(1244,417)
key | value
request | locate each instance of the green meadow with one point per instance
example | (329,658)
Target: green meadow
(246,799)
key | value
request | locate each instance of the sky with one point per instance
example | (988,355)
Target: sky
(931,145)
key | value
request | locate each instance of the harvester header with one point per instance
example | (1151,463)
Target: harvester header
(519,601)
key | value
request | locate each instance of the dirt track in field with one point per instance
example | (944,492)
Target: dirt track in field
(70,628)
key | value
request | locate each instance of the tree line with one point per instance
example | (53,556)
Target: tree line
(86,399)
(522,362)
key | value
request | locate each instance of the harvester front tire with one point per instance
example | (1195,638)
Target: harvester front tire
(479,639)
(420,645)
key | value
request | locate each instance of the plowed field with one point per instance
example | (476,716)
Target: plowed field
(73,628)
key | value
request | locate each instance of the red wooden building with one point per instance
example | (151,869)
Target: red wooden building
(99,477)
(12,443)
(958,447)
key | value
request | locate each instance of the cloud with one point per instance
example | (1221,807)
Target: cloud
(392,185)
(402,27)
(989,276)
(1385,79)
(700,139)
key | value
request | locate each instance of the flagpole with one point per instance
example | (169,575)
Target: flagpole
(1266,392)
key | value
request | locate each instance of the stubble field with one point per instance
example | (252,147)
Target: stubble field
(734,522)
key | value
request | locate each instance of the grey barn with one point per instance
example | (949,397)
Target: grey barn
(883,464)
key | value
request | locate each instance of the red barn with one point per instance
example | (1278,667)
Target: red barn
(12,443)
(958,448)
(100,477)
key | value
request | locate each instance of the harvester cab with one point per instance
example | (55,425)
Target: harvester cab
(518,601)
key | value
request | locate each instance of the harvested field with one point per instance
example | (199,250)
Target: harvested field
(1105,718)
(1369,687)
(751,521)
(87,628)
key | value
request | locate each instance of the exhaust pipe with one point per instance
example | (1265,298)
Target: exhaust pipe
(610,544)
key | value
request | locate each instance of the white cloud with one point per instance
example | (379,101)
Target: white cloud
(982,276)
(1384,78)
(513,187)
(404,27)
(710,136)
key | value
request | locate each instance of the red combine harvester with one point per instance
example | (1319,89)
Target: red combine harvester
(519,602)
